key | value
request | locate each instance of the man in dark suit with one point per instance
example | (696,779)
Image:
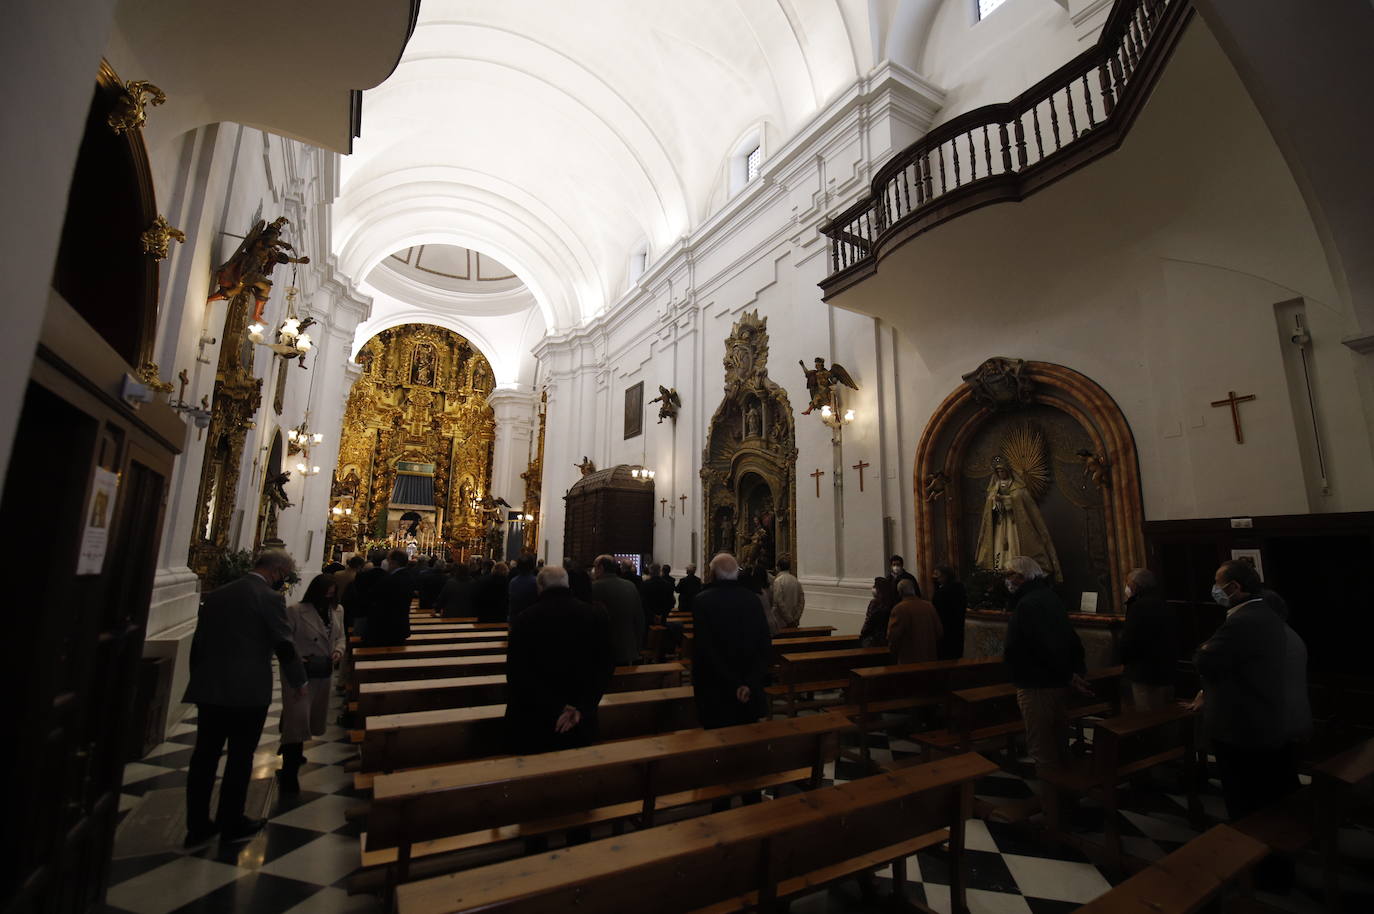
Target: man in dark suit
(687,589)
(657,594)
(731,649)
(558,665)
(240,626)
(624,611)
(388,614)
(1149,642)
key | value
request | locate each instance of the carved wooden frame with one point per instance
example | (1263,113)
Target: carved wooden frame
(955,421)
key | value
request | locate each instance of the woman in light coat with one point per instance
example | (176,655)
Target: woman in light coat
(317,630)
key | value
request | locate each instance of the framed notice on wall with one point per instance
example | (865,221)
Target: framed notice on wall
(1249,555)
(634,410)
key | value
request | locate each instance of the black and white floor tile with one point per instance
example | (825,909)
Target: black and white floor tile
(301,861)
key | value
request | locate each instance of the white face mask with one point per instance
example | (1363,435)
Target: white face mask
(1129,593)
(896,569)
(1011,588)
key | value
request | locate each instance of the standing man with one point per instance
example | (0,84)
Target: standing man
(731,649)
(657,594)
(522,590)
(558,666)
(240,626)
(914,629)
(788,599)
(1255,710)
(951,602)
(625,615)
(896,570)
(388,614)
(687,589)
(1149,642)
(1045,657)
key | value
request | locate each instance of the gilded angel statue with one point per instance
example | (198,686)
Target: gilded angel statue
(821,381)
(1012,524)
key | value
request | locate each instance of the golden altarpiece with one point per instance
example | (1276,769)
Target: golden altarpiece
(417,429)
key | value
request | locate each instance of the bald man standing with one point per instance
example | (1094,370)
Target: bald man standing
(730,650)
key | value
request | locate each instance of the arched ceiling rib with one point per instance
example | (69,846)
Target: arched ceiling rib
(556,136)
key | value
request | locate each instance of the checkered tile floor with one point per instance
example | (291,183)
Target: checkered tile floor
(301,860)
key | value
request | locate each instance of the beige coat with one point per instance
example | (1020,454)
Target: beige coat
(304,717)
(788,599)
(913,631)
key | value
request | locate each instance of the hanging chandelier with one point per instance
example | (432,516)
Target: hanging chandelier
(291,340)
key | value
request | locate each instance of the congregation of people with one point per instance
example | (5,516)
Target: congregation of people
(569,628)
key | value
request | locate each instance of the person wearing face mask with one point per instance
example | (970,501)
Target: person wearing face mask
(239,628)
(1256,712)
(1045,657)
(896,571)
(1149,642)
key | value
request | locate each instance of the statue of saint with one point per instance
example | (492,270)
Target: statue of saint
(250,268)
(1012,524)
(821,383)
(669,402)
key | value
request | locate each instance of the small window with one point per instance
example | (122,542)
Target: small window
(987,6)
(754,161)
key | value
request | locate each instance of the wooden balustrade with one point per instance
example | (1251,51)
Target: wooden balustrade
(1005,151)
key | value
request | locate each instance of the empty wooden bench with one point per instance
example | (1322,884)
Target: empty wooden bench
(412,668)
(436,694)
(431,649)
(820,671)
(392,742)
(741,859)
(484,634)
(1123,746)
(421,815)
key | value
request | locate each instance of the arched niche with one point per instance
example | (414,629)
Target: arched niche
(1090,457)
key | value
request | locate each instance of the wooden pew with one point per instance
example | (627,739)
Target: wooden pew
(745,858)
(445,637)
(795,645)
(1186,880)
(818,671)
(430,649)
(1123,746)
(422,738)
(437,694)
(990,713)
(877,690)
(432,668)
(419,815)
(449,625)
(429,618)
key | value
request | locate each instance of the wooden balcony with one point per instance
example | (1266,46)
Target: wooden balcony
(1007,151)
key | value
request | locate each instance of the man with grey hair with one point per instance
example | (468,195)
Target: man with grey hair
(1149,642)
(1045,657)
(239,627)
(558,665)
(731,649)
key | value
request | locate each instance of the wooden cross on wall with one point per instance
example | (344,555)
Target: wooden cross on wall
(664,503)
(683,499)
(860,467)
(817,476)
(1234,402)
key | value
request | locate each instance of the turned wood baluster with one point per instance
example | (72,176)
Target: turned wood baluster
(954,147)
(1035,122)
(1020,142)
(920,181)
(834,254)
(1073,119)
(940,154)
(1129,51)
(972,157)
(1147,20)
(1137,40)
(987,150)
(1104,78)
(1088,100)
(906,187)
(1006,147)
(930,176)
(1054,124)
(1116,72)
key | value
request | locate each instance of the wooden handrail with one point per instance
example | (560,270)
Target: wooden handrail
(1007,150)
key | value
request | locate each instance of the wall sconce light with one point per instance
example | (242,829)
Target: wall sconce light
(307,470)
(836,421)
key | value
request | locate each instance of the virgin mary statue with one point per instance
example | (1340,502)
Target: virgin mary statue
(1012,524)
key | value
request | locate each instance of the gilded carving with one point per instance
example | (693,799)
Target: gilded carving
(534,481)
(130,109)
(157,238)
(748,469)
(1001,383)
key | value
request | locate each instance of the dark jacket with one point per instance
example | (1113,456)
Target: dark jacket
(455,600)
(521,592)
(388,612)
(905,576)
(874,630)
(687,590)
(625,617)
(558,655)
(657,594)
(952,604)
(429,583)
(1255,679)
(581,584)
(489,598)
(1149,640)
(1043,651)
(239,627)
(731,648)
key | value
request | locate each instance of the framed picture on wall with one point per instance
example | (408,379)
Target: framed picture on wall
(634,410)
(1249,555)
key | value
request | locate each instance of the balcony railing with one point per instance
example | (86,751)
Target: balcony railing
(1006,151)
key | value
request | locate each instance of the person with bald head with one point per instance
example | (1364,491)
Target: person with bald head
(730,651)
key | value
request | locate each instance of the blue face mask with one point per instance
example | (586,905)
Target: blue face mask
(1220,596)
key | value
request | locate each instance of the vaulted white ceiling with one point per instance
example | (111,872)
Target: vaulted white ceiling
(556,137)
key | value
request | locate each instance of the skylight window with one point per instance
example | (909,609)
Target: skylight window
(754,161)
(987,6)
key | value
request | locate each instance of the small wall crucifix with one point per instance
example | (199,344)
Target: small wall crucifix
(817,476)
(860,467)
(683,499)
(663,502)
(1234,402)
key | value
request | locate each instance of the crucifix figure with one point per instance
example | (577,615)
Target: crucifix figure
(683,499)
(817,476)
(663,502)
(860,467)
(1234,402)
(185,379)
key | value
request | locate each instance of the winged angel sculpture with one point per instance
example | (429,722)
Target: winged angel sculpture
(669,403)
(1012,524)
(821,381)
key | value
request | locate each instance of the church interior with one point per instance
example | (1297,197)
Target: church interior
(816,283)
